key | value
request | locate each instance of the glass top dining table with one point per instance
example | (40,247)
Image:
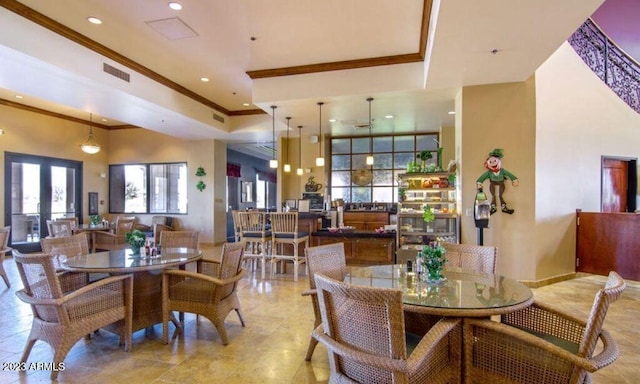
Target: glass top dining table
(124,261)
(462,294)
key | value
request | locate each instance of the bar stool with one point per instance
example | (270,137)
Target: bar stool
(256,236)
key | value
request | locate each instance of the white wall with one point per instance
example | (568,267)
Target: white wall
(579,119)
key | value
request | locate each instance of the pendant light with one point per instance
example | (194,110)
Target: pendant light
(369,159)
(320,159)
(90,146)
(273,163)
(287,166)
(299,170)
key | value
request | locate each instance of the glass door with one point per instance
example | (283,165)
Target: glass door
(38,189)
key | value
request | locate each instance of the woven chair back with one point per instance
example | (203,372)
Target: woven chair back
(328,260)
(179,239)
(72,221)
(470,257)
(40,281)
(230,265)
(63,247)
(124,225)
(58,228)
(4,238)
(368,319)
(610,293)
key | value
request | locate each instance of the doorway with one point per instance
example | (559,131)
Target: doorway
(38,189)
(619,185)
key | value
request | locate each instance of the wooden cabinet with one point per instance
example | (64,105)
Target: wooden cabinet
(363,248)
(367,220)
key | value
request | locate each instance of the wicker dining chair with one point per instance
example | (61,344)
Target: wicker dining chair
(71,221)
(363,330)
(211,292)
(541,344)
(477,258)
(256,237)
(106,241)
(62,317)
(5,232)
(284,230)
(179,239)
(59,228)
(328,260)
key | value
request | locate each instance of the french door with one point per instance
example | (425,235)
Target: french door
(38,189)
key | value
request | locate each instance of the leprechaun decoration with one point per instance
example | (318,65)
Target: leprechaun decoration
(497,176)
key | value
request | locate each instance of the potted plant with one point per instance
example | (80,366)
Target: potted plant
(136,239)
(95,220)
(433,259)
(424,156)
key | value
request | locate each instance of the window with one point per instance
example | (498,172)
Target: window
(148,188)
(352,180)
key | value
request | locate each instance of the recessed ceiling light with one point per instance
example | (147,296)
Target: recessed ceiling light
(452,112)
(388,116)
(332,120)
(19,97)
(104,120)
(94,20)
(175,6)
(204,79)
(246,104)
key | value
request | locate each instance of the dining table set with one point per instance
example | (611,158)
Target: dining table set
(147,277)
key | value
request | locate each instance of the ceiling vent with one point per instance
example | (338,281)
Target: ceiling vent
(172,28)
(218,118)
(113,71)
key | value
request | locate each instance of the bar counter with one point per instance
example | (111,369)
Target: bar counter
(361,247)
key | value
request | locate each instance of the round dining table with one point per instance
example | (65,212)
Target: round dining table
(147,277)
(463,293)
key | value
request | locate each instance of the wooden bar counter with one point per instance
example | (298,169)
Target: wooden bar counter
(360,246)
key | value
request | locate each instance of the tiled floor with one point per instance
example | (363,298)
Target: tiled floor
(270,349)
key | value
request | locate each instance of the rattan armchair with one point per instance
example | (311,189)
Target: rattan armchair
(61,317)
(59,228)
(4,241)
(477,258)
(363,330)
(210,292)
(179,239)
(328,260)
(542,345)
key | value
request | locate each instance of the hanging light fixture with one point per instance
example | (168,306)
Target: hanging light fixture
(369,159)
(299,170)
(90,146)
(273,163)
(287,166)
(320,159)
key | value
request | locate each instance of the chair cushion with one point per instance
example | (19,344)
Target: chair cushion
(291,235)
(557,341)
(257,234)
(412,341)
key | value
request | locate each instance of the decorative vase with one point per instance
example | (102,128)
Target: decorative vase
(435,276)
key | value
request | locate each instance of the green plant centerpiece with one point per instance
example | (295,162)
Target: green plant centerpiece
(432,258)
(95,220)
(136,239)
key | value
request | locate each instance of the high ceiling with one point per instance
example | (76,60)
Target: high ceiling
(411,56)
